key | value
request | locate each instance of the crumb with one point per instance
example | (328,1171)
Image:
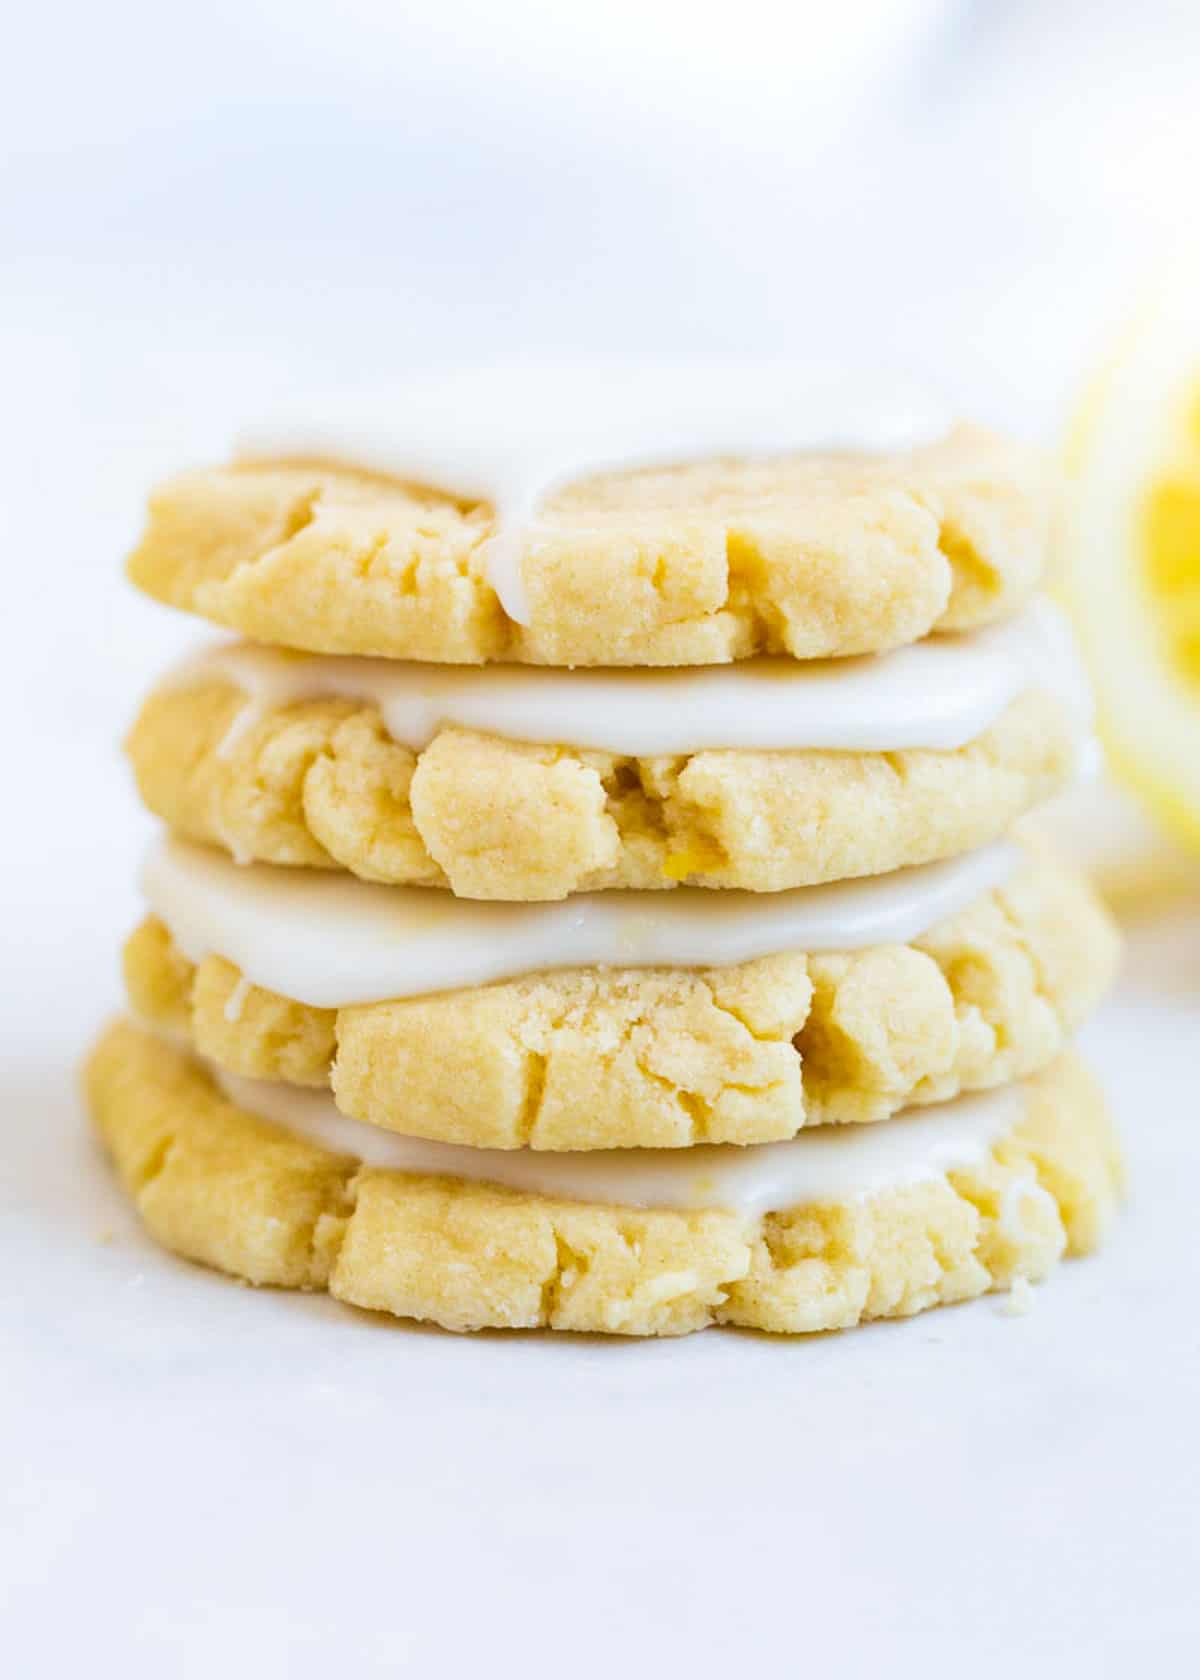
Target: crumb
(1019,1299)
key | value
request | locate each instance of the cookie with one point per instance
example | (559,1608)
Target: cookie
(806,555)
(232,1190)
(586,1059)
(322,783)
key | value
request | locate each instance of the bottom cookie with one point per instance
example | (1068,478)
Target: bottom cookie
(226,1187)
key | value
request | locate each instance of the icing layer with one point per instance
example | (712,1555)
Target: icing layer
(939,693)
(828,1164)
(330,940)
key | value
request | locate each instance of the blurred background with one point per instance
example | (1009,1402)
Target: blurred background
(199,202)
(203,207)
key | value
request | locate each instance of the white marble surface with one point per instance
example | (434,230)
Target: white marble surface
(200,1479)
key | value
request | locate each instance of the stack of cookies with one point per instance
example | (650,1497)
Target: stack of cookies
(598,895)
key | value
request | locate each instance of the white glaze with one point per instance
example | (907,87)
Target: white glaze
(330,940)
(510,436)
(236,1001)
(826,1164)
(1012,1206)
(939,693)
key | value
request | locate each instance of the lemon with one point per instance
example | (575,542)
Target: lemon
(1131,558)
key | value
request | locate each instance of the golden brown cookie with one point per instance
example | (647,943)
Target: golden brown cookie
(587,1059)
(807,555)
(321,782)
(224,1187)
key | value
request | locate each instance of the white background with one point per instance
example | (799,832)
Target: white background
(201,208)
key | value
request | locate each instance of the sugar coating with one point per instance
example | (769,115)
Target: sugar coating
(672,1057)
(238,1193)
(809,555)
(322,783)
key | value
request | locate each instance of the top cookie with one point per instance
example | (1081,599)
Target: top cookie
(812,555)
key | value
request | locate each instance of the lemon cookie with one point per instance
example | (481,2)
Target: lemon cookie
(589,1058)
(806,554)
(873,1223)
(526,785)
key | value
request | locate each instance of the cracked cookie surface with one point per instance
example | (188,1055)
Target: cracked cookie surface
(321,783)
(665,1058)
(236,1192)
(805,555)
